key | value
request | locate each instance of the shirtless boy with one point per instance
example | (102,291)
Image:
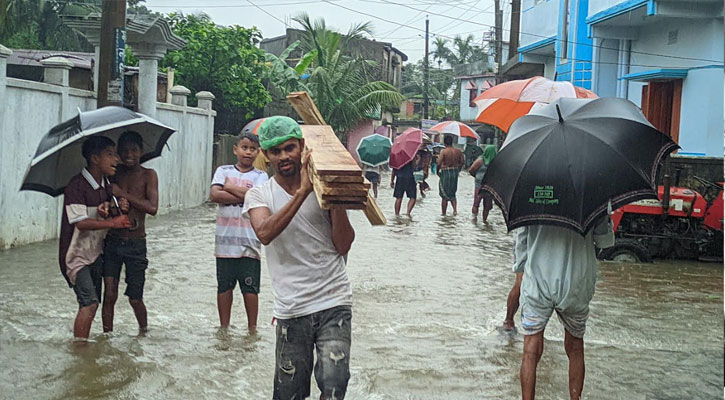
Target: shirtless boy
(128,246)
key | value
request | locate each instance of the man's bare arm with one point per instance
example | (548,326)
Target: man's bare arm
(475,166)
(91,224)
(343,233)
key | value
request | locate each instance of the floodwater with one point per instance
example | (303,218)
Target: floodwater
(428,296)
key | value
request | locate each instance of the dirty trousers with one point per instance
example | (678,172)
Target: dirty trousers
(328,332)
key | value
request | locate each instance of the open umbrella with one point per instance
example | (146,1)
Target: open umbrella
(58,157)
(502,104)
(374,150)
(454,128)
(252,126)
(564,163)
(405,147)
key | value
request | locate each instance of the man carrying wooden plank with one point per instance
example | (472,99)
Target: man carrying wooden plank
(305,250)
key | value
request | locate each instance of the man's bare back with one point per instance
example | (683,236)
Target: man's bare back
(140,186)
(450,157)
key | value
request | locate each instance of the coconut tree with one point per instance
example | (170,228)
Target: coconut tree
(440,49)
(343,86)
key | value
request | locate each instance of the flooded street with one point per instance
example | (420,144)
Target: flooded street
(428,295)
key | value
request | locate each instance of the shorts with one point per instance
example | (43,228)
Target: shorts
(88,283)
(328,333)
(405,185)
(373,177)
(533,322)
(245,270)
(132,252)
(482,195)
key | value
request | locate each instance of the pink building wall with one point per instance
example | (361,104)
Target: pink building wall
(363,129)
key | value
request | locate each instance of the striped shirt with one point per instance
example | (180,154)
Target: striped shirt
(235,237)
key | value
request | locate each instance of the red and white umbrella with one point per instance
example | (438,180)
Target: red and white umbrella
(455,128)
(502,104)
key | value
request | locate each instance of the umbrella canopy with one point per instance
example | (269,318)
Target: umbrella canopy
(455,128)
(374,150)
(58,157)
(563,164)
(252,126)
(504,103)
(405,147)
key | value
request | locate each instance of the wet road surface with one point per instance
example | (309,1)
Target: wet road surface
(428,296)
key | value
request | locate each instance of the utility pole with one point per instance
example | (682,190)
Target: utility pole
(113,38)
(426,78)
(514,34)
(497,32)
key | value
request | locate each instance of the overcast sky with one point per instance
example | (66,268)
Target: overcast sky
(339,14)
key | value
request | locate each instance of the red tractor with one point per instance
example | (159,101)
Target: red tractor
(681,224)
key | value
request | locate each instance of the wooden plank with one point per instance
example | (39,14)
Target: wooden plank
(342,179)
(355,199)
(306,108)
(373,212)
(336,191)
(328,154)
(346,205)
(348,185)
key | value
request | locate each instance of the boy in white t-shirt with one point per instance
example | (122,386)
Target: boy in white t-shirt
(305,249)
(237,248)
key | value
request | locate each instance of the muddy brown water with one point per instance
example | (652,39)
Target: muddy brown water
(428,295)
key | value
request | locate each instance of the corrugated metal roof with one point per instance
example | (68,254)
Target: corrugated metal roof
(34,57)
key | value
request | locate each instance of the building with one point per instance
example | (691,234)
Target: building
(666,56)
(388,57)
(472,81)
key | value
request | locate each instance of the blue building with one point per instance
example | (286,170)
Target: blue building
(666,56)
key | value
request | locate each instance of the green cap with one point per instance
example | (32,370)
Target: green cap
(276,130)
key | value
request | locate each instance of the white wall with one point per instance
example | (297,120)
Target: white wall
(696,38)
(30,109)
(539,22)
(596,6)
(701,115)
(469,113)
(606,69)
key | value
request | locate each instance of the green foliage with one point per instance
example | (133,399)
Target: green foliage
(462,51)
(342,86)
(441,89)
(37,24)
(224,61)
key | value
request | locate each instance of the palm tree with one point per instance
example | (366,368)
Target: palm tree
(440,49)
(343,86)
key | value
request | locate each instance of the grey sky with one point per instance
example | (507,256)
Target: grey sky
(407,39)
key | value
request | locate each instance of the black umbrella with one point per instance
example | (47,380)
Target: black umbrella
(562,164)
(59,158)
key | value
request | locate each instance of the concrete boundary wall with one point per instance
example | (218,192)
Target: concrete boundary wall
(29,109)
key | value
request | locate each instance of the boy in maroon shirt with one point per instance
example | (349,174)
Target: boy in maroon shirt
(84,226)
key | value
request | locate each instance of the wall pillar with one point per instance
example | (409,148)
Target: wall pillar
(148,64)
(205,99)
(56,71)
(178,95)
(96,57)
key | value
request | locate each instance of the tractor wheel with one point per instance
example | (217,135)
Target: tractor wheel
(627,250)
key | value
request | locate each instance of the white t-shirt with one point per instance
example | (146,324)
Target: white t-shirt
(308,274)
(235,237)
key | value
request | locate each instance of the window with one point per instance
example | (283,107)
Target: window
(472,92)
(661,102)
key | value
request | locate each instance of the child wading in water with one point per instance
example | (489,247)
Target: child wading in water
(237,249)
(140,186)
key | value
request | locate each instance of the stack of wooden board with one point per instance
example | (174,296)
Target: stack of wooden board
(336,177)
(339,185)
